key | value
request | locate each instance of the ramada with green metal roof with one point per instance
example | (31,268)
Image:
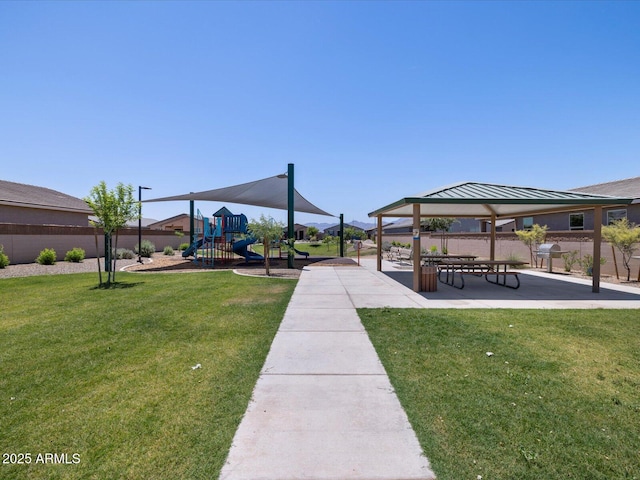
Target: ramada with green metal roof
(474,199)
(492,201)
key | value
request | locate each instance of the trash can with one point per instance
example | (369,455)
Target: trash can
(429,280)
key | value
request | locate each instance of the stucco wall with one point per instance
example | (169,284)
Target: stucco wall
(23,243)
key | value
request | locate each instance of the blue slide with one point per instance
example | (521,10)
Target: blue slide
(192,249)
(240,248)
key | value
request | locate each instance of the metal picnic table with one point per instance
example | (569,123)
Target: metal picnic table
(452,269)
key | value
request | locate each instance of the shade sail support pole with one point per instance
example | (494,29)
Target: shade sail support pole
(290,215)
(379,245)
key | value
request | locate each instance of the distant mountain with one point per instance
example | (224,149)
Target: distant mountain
(322,226)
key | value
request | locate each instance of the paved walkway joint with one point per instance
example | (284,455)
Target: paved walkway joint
(323,407)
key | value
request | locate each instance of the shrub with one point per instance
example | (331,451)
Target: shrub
(47,257)
(168,250)
(183,246)
(124,253)
(4,260)
(570,259)
(74,255)
(386,246)
(145,249)
(587,263)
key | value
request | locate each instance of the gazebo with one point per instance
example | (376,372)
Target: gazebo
(493,202)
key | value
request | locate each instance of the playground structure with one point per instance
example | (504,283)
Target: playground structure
(220,239)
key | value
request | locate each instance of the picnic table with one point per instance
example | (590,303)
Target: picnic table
(452,269)
(435,259)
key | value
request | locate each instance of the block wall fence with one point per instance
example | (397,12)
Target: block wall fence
(23,243)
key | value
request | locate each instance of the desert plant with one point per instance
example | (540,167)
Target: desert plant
(570,259)
(121,253)
(623,235)
(47,257)
(4,259)
(385,246)
(531,238)
(145,249)
(183,246)
(587,263)
(75,255)
(168,250)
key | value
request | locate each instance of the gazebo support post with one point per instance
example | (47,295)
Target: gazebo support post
(492,252)
(597,243)
(416,247)
(379,245)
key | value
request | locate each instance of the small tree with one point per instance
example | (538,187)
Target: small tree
(312,232)
(113,208)
(268,230)
(531,238)
(623,235)
(443,224)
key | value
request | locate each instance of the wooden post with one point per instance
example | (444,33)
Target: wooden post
(416,247)
(597,241)
(492,254)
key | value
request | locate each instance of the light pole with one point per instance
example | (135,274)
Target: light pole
(140,221)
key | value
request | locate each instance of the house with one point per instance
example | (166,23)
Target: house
(32,205)
(177,223)
(300,231)
(563,221)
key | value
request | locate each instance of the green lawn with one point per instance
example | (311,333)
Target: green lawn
(106,375)
(559,397)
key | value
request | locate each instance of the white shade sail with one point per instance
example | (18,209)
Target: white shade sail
(271,192)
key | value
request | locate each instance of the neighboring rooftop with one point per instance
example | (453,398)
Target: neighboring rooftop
(30,196)
(629,188)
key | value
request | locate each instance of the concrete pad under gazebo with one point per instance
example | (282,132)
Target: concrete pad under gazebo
(493,202)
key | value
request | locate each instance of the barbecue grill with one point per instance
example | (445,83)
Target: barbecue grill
(549,251)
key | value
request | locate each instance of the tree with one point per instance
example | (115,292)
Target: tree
(443,224)
(531,238)
(623,235)
(113,209)
(268,230)
(312,232)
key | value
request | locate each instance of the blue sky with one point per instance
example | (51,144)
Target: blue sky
(371,101)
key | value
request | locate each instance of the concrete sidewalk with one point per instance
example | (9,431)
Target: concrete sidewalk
(323,407)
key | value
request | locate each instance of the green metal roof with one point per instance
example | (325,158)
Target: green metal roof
(473,199)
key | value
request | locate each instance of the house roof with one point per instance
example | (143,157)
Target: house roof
(29,196)
(474,199)
(629,187)
(271,192)
(154,222)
